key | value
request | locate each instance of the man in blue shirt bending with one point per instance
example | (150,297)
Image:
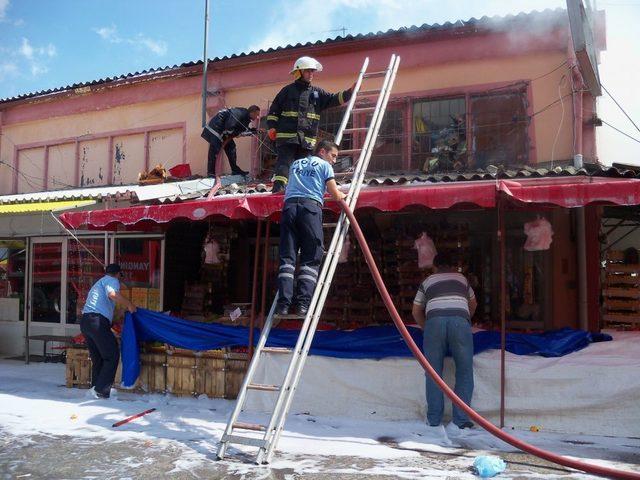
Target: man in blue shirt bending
(95,325)
(301,225)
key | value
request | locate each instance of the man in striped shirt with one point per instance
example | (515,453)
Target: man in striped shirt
(443,308)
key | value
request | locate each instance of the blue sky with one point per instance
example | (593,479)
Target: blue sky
(48,44)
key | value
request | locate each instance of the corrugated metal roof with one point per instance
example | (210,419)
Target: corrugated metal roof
(490,173)
(162,192)
(548,19)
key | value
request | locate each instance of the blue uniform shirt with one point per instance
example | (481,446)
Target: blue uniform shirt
(98,300)
(308,177)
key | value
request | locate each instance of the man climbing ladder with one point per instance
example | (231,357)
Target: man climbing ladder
(301,225)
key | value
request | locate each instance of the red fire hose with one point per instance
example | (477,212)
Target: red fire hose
(488,426)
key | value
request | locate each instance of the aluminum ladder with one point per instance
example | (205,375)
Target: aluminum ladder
(270,434)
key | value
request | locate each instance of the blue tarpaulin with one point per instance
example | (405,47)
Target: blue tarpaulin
(368,342)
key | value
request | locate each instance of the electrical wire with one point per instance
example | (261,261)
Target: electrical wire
(620,131)
(619,106)
(555,140)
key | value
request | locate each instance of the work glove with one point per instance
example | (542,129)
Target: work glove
(272,134)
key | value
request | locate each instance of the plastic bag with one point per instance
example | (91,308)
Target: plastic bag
(487,466)
(211,251)
(426,250)
(539,235)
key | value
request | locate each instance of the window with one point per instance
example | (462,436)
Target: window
(439,135)
(330,121)
(387,152)
(499,130)
(12,269)
(84,268)
(140,260)
(46,282)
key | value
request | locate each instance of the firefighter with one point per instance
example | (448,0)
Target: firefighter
(301,226)
(294,117)
(224,126)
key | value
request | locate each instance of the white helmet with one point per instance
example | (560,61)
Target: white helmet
(306,63)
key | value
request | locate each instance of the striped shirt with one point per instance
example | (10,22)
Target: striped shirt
(445,294)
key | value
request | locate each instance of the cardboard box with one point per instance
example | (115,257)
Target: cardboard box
(140,297)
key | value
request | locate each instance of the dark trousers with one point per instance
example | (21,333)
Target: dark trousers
(287,153)
(214,149)
(300,229)
(103,349)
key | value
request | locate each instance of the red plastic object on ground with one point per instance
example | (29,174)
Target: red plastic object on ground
(132,417)
(181,171)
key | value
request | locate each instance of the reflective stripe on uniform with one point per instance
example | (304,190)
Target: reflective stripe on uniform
(341,98)
(313,116)
(306,277)
(312,141)
(213,132)
(286,135)
(287,266)
(285,275)
(289,114)
(309,270)
(280,178)
(272,117)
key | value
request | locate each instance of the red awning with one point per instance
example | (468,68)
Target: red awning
(561,191)
(265,205)
(572,192)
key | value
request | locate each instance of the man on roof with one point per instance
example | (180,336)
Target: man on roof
(222,128)
(294,117)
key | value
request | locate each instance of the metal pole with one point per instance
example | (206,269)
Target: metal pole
(502,238)
(205,64)
(265,266)
(254,289)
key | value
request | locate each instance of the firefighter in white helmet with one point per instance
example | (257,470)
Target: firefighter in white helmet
(294,117)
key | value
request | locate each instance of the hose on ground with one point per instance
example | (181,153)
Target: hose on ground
(484,423)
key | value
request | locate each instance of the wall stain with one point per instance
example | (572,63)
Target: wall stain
(120,157)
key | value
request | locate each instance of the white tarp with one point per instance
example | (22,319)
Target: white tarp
(593,391)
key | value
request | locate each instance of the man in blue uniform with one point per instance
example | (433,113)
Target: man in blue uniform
(301,225)
(95,325)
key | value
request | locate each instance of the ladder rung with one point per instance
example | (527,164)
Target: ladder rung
(356,129)
(363,109)
(250,426)
(329,225)
(350,150)
(290,316)
(238,439)
(368,93)
(381,73)
(264,388)
(277,350)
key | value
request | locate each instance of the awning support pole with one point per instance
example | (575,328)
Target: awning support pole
(254,288)
(502,240)
(265,266)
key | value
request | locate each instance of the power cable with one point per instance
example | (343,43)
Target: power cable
(620,131)
(619,106)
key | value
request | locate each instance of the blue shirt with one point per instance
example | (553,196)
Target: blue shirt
(308,177)
(98,300)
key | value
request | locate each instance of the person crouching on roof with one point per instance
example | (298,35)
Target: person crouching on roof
(301,225)
(294,117)
(221,129)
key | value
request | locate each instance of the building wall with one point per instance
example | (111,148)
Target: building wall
(100,137)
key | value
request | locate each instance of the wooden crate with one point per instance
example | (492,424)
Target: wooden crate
(78,368)
(153,372)
(210,373)
(181,378)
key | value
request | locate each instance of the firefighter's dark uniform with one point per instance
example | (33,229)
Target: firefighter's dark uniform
(301,229)
(227,123)
(295,114)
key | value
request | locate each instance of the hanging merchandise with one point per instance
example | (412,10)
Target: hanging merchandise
(426,250)
(344,253)
(211,250)
(539,235)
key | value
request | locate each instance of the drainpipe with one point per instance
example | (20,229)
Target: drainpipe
(581,240)
(205,63)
